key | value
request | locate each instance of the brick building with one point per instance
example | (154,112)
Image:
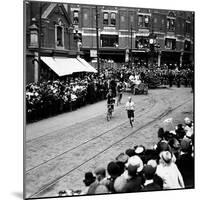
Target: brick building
(124,30)
(124,35)
(52,44)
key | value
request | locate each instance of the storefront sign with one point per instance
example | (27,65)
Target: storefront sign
(93,53)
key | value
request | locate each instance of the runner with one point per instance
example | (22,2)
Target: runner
(130,107)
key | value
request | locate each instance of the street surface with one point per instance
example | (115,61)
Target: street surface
(59,150)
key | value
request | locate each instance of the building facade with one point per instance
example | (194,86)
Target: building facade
(126,34)
(132,35)
(49,32)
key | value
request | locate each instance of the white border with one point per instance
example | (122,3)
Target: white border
(11,100)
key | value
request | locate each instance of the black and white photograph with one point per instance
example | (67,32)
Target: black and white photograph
(108,99)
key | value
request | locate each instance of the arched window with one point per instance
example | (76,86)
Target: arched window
(188,25)
(171,19)
(59,34)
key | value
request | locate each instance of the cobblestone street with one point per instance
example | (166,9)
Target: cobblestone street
(59,150)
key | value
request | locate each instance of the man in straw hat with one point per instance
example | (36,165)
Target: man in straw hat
(169,172)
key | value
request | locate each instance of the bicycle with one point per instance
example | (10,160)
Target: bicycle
(109,112)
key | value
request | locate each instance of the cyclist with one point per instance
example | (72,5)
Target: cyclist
(110,99)
(119,92)
(130,107)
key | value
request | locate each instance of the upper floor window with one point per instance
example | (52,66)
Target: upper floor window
(143,21)
(113,19)
(171,22)
(188,25)
(75,17)
(170,43)
(105,18)
(59,36)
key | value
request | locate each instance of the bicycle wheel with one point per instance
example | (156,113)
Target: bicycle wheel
(108,116)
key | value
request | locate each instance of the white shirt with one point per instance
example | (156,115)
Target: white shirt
(171,176)
(130,105)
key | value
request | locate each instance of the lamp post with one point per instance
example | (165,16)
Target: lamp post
(131,44)
(152,41)
(97,39)
(153,44)
(77,38)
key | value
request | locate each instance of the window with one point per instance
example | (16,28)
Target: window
(131,18)
(105,18)
(171,22)
(85,16)
(77,36)
(187,45)
(187,26)
(140,20)
(170,44)
(113,19)
(109,40)
(146,21)
(75,17)
(59,36)
(143,21)
(142,42)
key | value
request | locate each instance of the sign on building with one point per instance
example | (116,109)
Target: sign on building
(93,53)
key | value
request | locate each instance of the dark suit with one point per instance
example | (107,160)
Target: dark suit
(185,164)
(133,184)
(151,187)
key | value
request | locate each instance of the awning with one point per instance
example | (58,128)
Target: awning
(65,66)
(87,65)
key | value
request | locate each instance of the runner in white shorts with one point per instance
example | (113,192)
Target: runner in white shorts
(130,107)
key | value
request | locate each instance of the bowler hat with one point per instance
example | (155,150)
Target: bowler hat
(89,178)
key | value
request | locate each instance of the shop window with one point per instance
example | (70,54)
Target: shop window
(187,46)
(105,18)
(109,40)
(113,19)
(76,17)
(142,42)
(170,44)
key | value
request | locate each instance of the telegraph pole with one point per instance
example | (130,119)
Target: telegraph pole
(97,40)
(39,42)
(131,44)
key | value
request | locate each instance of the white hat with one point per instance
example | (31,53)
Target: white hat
(187,120)
(166,156)
(135,161)
(152,162)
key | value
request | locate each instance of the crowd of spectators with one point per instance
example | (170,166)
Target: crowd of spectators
(167,165)
(53,97)
(48,98)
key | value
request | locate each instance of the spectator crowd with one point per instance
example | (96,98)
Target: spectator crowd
(167,165)
(45,99)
